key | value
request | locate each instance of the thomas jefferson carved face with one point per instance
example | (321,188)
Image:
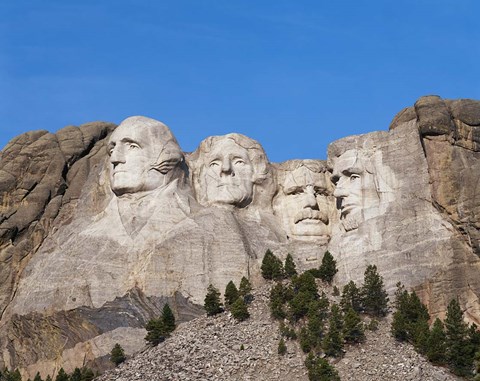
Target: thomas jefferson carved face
(302,202)
(227,169)
(355,188)
(142,151)
(228,176)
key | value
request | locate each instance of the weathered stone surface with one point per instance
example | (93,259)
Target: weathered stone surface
(99,228)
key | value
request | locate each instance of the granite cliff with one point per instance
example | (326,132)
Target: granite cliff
(101,225)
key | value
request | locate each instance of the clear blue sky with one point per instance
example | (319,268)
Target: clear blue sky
(294,75)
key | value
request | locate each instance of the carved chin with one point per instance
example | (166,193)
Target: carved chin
(351,221)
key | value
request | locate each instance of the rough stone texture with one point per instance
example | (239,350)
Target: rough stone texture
(209,348)
(99,230)
(35,171)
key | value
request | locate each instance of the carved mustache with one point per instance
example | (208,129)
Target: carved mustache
(310,214)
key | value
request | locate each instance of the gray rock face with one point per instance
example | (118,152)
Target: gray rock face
(100,226)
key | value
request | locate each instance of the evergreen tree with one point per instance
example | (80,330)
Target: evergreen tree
(11,376)
(351,297)
(168,319)
(456,332)
(436,348)
(287,331)
(231,294)
(272,267)
(353,331)
(48,378)
(239,310)
(410,320)
(305,282)
(333,340)
(278,297)
(87,374)
(77,374)
(117,355)
(374,296)
(282,347)
(36,378)
(316,315)
(328,268)
(61,376)
(290,268)
(421,333)
(212,303)
(306,340)
(156,332)
(245,290)
(320,370)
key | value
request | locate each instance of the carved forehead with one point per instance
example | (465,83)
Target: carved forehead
(144,130)
(226,148)
(350,161)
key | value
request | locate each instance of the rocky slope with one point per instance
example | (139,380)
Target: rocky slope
(90,250)
(209,348)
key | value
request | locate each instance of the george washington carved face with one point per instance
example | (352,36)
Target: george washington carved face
(142,152)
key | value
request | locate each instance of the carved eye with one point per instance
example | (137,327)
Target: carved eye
(132,146)
(354,177)
(214,164)
(239,162)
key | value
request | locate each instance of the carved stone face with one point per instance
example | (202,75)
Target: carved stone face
(135,148)
(355,188)
(228,178)
(302,204)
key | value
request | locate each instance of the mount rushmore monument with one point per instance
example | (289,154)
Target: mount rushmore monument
(101,225)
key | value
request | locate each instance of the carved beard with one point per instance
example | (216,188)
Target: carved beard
(352,221)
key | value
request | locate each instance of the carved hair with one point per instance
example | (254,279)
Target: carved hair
(255,152)
(170,159)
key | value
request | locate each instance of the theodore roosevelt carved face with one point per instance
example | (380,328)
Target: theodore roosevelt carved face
(143,153)
(302,199)
(228,167)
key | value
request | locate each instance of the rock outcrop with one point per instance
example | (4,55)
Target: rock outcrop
(100,226)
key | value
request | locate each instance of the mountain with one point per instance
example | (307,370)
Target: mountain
(101,225)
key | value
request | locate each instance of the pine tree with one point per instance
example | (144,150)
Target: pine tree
(168,319)
(87,374)
(212,303)
(290,268)
(239,310)
(333,340)
(319,369)
(77,374)
(11,376)
(61,376)
(436,343)
(231,294)
(245,290)
(374,296)
(36,378)
(456,331)
(277,301)
(282,347)
(353,331)
(156,332)
(351,297)
(328,268)
(48,378)
(117,355)
(272,267)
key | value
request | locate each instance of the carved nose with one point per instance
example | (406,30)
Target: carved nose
(340,190)
(117,157)
(309,199)
(227,167)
